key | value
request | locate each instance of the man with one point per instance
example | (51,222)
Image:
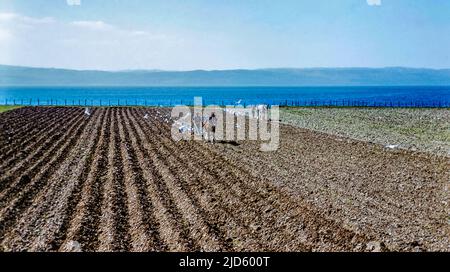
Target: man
(210,127)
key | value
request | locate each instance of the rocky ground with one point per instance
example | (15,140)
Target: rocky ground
(397,197)
(116,181)
(426,130)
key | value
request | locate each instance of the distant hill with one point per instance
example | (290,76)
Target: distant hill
(395,76)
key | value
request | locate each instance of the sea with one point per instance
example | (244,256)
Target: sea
(391,96)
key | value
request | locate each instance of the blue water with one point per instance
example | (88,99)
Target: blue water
(166,96)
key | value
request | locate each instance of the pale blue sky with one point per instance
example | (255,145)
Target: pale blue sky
(224,34)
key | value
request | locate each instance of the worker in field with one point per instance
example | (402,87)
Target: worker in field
(210,127)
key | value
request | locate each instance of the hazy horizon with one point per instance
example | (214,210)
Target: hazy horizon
(223,70)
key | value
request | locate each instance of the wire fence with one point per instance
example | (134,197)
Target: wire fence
(175,102)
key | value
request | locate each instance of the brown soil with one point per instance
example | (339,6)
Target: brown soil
(118,182)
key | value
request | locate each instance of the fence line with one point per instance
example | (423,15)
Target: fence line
(171,103)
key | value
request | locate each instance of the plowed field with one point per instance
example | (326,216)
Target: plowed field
(116,181)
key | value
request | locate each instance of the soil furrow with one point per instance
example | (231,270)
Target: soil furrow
(202,232)
(114,224)
(24,194)
(117,181)
(231,205)
(172,229)
(315,231)
(34,138)
(21,177)
(75,197)
(45,211)
(13,121)
(342,182)
(35,160)
(201,187)
(13,137)
(67,189)
(84,225)
(145,234)
(260,191)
